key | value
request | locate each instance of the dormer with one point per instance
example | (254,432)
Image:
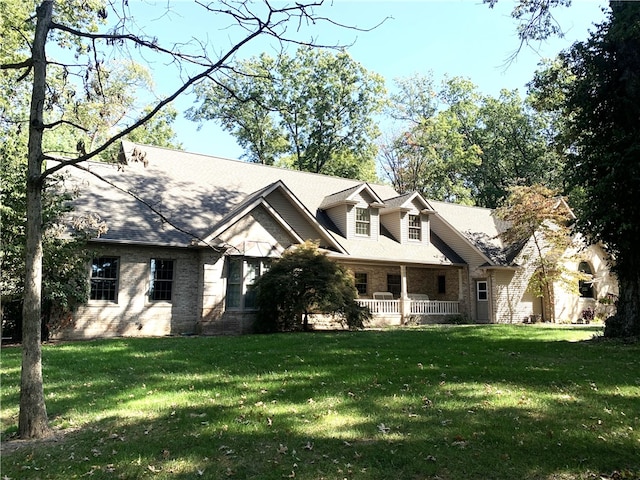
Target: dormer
(355,211)
(407,218)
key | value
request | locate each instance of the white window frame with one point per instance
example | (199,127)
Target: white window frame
(413,229)
(363,223)
(484,290)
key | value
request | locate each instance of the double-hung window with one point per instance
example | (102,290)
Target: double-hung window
(161,284)
(363,221)
(242,274)
(104,279)
(415,227)
(361,282)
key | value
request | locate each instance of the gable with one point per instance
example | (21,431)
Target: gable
(360,193)
(364,197)
(299,222)
(257,234)
(286,210)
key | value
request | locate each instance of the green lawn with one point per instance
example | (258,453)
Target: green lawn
(494,402)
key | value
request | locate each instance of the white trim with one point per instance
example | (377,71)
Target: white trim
(260,200)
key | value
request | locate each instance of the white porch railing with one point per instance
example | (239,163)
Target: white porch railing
(377,307)
(433,307)
(416,307)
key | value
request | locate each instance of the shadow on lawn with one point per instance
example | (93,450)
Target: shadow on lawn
(369,405)
(187,443)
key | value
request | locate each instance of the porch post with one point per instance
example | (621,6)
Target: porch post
(405,308)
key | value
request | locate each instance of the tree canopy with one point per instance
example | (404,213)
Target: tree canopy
(314,111)
(460,146)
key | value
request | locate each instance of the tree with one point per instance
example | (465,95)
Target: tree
(536,214)
(432,154)
(597,97)
(604,158)
(64,254)
(74,27)
(535,20)
(64,275)
(312,112)
(305,281)
(464,147)
(516,149)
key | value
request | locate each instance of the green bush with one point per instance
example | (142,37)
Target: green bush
(305,282)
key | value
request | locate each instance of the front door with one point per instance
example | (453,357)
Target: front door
(482,301)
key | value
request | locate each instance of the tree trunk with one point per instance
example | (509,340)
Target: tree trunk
(549,303)
(626,321)
(32,422)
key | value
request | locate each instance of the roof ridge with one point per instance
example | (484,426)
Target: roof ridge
(257,165)
(461,205)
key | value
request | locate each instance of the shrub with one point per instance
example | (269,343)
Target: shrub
(302,282)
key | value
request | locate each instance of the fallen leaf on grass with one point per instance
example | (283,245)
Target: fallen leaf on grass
(383,428)
(154,469)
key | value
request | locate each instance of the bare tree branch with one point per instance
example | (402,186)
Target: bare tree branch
(114,38)
(67,122)
(28,63)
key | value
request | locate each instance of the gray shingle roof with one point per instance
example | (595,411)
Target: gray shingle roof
(196,192)
(478,225)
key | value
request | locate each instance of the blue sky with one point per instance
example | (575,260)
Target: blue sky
(454,38)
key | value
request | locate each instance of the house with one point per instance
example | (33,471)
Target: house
(189,234)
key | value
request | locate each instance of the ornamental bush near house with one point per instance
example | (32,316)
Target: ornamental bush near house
(588,315)
(303,282)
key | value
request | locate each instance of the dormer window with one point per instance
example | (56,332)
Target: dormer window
(363,222)
(415,227)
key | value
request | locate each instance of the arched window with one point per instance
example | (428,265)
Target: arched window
(586,286)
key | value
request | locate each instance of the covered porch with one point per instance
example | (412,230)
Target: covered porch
(398,294)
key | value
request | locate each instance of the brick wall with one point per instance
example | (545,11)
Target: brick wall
(134,314)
